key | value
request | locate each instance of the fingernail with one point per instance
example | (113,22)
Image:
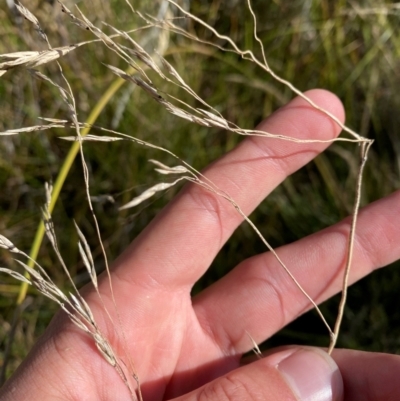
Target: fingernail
(312,375)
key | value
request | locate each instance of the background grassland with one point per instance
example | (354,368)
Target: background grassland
(350,48)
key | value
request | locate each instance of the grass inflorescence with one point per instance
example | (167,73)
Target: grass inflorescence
(155,83)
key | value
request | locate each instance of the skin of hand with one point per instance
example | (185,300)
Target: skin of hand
(190,349)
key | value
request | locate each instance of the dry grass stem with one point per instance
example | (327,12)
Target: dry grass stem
(140,66)
(365,146)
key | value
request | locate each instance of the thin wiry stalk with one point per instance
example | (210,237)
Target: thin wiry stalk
(365,146)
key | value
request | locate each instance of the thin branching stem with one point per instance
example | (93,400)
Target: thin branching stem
(365,146)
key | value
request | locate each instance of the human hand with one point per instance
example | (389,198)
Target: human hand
(190,349)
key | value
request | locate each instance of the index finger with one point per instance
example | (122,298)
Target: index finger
(179,245)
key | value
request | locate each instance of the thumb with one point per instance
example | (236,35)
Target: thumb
(292,374)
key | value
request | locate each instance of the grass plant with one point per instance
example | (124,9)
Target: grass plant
(182,64)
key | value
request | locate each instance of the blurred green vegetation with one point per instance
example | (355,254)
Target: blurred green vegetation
(350,48)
